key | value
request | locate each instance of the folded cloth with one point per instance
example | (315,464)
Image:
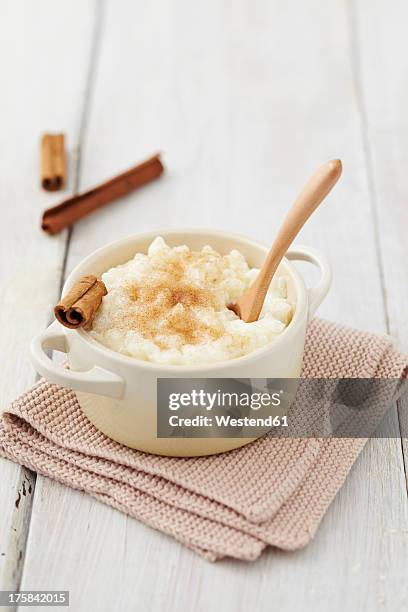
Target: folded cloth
(273,491)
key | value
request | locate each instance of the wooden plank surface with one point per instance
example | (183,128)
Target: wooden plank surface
(217,89)
(383,70)
(45,92)
(244,105)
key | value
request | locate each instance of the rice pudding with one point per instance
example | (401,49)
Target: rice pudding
(170,307)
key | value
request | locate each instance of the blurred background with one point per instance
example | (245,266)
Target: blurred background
(244,99)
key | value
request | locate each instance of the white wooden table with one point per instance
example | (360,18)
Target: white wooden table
(244,98)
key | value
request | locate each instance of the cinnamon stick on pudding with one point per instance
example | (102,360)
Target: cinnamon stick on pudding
(78,307)
(53,162)
(58,217)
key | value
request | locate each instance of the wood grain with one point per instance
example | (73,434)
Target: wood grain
(233,104)
(31,265)
(382,70)
(215,86)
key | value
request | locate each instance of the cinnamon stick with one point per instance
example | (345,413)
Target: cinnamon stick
(58,217)
(53,162)
(78,307)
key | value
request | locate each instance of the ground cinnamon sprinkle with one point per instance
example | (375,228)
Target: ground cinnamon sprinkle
(167,308)
(169,305)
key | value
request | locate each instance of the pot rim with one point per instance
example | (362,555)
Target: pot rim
(273,346)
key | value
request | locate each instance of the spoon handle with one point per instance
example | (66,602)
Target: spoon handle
(312,194)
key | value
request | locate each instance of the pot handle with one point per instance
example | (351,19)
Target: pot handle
(96,380)
(318,293)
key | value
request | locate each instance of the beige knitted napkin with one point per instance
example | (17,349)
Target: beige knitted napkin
(271,492)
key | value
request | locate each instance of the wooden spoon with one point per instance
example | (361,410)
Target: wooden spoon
(249,306)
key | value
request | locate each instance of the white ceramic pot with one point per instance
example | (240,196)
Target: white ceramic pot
(118,393)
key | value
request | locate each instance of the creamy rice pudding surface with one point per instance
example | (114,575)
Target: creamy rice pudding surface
(170,307)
